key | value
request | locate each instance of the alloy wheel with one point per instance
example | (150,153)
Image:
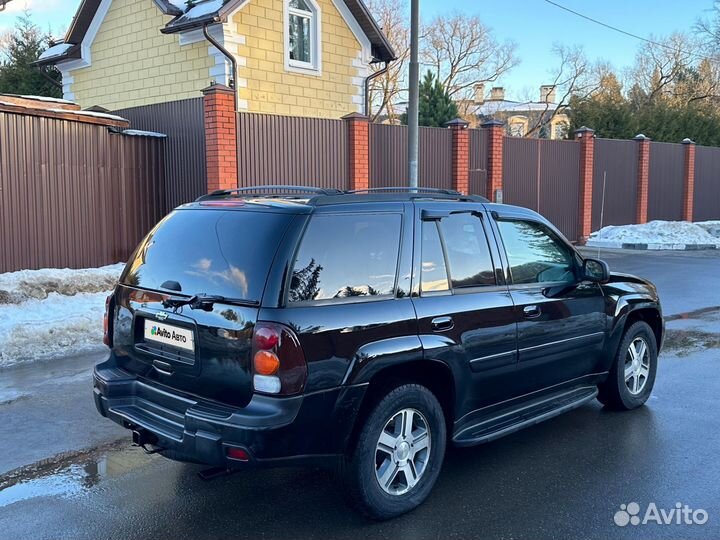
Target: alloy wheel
(402,452)
(637,365)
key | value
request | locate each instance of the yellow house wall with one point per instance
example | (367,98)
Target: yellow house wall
(271,89)
(134,64)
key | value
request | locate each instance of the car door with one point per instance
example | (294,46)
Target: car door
(561,319)
(466,317)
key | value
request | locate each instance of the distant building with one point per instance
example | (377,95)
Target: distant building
(520,117)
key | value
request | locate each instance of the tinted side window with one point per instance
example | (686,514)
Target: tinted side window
(467,251)
(535,255)
(433,273)
(346,255)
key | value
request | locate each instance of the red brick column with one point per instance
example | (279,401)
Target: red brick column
(220,137)
(689,180)
(460,155)
(359,150)
(496,133)
(586,137)
(643,178)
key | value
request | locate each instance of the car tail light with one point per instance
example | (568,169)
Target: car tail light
(278,361)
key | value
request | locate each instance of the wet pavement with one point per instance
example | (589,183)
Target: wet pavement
(686,280)
(47,408)
(565,478)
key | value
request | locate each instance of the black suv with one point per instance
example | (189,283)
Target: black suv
(285,325)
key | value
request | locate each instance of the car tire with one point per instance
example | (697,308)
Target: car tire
(372,460)
(632,375)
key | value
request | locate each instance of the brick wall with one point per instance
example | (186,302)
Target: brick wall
(220,138)
(643,180)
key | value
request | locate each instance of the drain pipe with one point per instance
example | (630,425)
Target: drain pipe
(368,80)
(226,54)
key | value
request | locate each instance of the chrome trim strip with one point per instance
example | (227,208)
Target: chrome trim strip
(491,356)
(585,336)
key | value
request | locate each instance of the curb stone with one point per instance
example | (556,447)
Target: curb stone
(650,247)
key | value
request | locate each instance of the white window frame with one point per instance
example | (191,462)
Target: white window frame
(314,66)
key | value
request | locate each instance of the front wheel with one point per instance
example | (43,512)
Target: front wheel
(632,375)
(399,453)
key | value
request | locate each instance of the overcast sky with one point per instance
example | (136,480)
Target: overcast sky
(533,24)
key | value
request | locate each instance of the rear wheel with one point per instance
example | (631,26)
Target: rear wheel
(632,375)
(399,453)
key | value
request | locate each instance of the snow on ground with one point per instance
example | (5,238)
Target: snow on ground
(659,234)
(53,312)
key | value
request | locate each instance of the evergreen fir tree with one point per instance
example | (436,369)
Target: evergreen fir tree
(17,74)
(435,107)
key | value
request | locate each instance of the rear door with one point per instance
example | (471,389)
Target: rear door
(205,350)
(465,313)
(561,319)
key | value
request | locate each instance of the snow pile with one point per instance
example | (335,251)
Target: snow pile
(52,312)
(659,235)
(712,227)
(141,133)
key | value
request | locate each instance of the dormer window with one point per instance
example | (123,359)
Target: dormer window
(302,40)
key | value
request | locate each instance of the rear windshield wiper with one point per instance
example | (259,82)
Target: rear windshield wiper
(206,301)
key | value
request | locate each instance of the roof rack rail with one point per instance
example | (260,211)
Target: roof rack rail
(406,189)
(265,191)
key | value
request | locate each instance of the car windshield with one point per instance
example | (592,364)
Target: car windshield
(211,252)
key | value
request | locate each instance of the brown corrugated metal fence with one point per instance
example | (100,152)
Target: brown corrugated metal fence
(478,161)
(665,189)
(183,123)
(292,150)
(388,156)
(707,184)
(543,175)
(616,162)
(74,194)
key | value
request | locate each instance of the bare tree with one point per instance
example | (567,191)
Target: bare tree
(674,70)
(385,90)
(574,76)
(463,52)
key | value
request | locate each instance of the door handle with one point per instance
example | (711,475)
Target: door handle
(440,324)
(532,311)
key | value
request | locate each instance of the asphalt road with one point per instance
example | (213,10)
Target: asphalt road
(565,478)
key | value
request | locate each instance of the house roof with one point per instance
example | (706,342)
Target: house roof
(201,13)
(492,107)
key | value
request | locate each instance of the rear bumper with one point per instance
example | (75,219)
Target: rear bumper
(312,428)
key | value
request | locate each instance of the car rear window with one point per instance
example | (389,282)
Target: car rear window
(214,252)
(346,255)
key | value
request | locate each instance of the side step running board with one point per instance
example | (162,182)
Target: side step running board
(526,414)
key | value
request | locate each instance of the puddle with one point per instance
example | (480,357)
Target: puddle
(67,481)
(684,342)
(73,480)
(71,474)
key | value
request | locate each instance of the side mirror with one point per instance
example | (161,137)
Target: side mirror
(596,271)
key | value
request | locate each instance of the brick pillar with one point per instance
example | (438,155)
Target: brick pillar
(689,180)
(586,137)
(643,178)
(460,155)
(359,149)
(496,133)
(220,137)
